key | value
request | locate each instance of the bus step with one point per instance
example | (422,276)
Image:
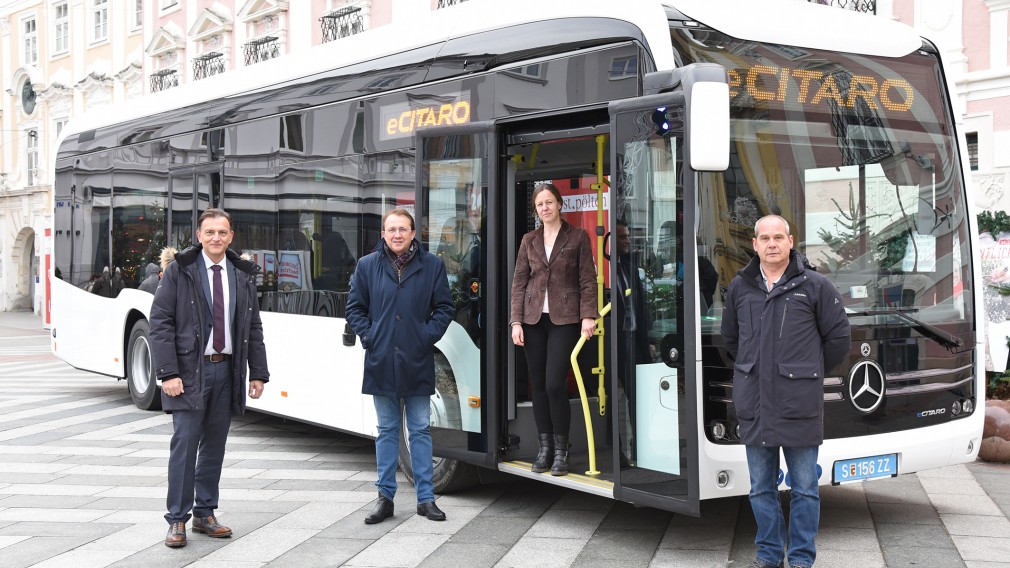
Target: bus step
(573,480)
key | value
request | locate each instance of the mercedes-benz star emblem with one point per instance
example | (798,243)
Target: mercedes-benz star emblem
(866,386)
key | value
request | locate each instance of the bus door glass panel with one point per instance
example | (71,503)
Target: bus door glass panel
(655,417)
(452,225)
(91,199)
(191,191)
(249,193)
(138,212)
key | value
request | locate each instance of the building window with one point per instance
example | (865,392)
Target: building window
(164,79)
(972,150)
(137,17)
(58,126)
(61,33)
(32,155)
(209,64)
(342,23)
(100,15)
(261,49)
(622,67)
(31,42)
(291,133)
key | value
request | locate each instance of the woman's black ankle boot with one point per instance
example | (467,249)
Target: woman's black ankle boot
(560,466)
(545,457)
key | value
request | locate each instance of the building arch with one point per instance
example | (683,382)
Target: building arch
(25,268)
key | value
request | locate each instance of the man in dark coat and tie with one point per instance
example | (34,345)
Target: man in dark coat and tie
(206,338)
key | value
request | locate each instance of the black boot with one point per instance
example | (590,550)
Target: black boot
(545,457)
(560,466)
(382,511)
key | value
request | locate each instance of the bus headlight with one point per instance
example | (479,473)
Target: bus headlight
(737,431)
(968,406)
(956,408)
(719,431)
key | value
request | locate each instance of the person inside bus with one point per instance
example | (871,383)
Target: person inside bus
(553,301)
(633,323)
(784,326)
(117,282)
(151,278)
(207,298)
(400,306)
(103,286)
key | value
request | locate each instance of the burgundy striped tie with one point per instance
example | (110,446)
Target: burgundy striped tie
(218,309)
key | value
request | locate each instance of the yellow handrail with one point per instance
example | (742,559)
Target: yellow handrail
(601,182)
(590,440)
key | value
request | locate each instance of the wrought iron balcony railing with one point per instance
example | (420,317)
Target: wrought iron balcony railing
(342,23)
(208,64)
(867,6)
(447,3)
(164,79)
(261,49)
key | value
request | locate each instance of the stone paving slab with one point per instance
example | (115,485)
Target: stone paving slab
(82,482)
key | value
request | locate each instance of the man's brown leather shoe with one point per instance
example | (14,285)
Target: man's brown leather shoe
(176,537)
(210,527)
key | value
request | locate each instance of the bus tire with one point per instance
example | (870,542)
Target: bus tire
(143,385)
(448,475)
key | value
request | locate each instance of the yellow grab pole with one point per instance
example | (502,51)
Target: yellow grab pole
(601,182)
(590,440)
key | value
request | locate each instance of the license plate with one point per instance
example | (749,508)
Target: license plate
(865,468)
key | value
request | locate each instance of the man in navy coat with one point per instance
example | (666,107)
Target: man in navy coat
(784,325)
(206,338)
(399,305)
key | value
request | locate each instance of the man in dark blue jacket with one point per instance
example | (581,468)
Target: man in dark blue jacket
(784,325)
(202,361)
(400,306)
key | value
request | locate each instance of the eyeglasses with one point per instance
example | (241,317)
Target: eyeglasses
(399,230)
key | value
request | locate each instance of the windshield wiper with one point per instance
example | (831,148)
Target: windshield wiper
(948,340)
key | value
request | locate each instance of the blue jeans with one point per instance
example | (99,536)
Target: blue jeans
(804,504)
(387,444)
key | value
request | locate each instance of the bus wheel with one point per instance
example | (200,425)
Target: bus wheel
(143,386)
(448,475)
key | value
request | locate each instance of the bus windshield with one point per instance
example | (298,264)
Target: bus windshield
(858,154)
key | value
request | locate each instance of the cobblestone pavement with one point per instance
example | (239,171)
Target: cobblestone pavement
(82,484)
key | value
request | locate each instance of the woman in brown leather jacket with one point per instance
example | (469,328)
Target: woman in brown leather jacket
(553,300)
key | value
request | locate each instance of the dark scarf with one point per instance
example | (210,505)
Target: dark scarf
(399,263)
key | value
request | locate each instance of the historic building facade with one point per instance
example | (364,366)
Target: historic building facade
(973,36)
(60,58)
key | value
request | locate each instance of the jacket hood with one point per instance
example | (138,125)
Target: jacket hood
(152,269)
(167,256)
(243,263)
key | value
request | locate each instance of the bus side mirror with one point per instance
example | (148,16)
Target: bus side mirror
(706,97)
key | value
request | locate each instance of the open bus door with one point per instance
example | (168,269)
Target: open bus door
(659,312)
(453,169)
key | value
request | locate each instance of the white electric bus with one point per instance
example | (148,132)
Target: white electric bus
(683,120)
